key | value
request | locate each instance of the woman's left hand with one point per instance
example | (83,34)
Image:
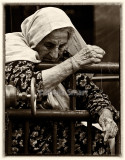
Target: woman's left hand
(109,127)
(96,50)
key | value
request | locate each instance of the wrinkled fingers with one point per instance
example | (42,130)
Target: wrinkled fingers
(92,56)
(91,61)
(96,49)
(111,129)
(96,55)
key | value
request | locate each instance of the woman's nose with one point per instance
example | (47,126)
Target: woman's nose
(54,53)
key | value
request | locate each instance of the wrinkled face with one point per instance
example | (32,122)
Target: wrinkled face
(51,48)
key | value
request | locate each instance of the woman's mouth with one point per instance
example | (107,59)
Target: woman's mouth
(50,60)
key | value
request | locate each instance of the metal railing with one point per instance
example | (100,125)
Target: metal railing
(72,115)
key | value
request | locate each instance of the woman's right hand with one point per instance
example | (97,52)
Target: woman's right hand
(89,55)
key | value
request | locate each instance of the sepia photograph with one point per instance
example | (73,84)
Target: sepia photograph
(61,79)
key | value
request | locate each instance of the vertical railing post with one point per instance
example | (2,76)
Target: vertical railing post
(73,87)
(72,142)
(10,137)
(11,20)
(26,137)
(72,107)
(89,137)
(54,138)
(118,140)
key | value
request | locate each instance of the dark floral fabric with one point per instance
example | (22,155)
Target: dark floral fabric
(19,74)
(94,99)
(40,139)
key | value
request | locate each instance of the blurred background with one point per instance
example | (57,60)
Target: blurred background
(98,24)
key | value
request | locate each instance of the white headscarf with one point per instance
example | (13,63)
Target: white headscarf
(19,45)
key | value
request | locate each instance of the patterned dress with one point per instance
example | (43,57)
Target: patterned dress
(19,74)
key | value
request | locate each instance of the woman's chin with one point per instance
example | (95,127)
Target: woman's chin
(50,61)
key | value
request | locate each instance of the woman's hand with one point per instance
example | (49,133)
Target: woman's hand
(96,52)
(109,127)
(87,56)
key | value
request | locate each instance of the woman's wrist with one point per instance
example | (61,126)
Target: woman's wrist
(75,65)
(77,59)
(106,113)
(55,75)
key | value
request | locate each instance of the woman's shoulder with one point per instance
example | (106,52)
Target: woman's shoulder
(13,34)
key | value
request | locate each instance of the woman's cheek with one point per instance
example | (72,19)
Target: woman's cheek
(43,53)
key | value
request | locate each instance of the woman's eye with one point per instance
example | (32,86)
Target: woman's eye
(49,46)
(61,46)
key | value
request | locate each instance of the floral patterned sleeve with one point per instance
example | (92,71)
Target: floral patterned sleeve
(19,74)
(94,99)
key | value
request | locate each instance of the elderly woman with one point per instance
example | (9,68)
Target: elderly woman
(49,36)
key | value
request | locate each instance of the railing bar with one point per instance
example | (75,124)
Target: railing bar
(26,138)
(11,19)
(73,107)
(10,137)
(54,138)
(74,88)
(72,140)
(89,138)
(73,98)
(49,114)
(118,140)
(106,78)
(104,67)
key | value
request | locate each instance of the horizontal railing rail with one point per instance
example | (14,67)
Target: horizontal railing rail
(49,114)
(104,67)
(105,78)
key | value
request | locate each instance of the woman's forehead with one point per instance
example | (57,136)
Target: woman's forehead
(57,35)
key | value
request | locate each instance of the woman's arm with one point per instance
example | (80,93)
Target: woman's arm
(95,100)
(55,75)
(99,106)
